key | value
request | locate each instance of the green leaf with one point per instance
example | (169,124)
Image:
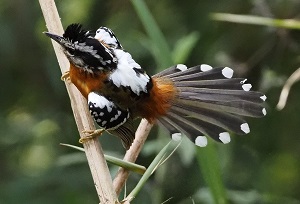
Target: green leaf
(116,161)
(184,47)
(210,166)
(158,41)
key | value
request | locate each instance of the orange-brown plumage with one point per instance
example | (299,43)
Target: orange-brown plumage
(87,82)
(159,100)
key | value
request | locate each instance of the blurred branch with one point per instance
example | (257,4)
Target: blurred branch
(131,155)
(286,89)
(93,150)
(256,20)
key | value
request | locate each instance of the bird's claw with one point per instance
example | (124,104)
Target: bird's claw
(65,76)
(90,134)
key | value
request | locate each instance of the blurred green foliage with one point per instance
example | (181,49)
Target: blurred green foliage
(35,113)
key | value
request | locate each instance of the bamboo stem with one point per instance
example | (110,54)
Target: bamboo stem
(98,166)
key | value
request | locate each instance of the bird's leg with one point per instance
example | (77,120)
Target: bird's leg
(90,134)
(65,76)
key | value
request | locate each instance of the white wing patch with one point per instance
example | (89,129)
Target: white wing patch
(100,101)
(106,114)
(126,76)
(106,35)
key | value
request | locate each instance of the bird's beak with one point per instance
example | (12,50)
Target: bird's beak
(55,37)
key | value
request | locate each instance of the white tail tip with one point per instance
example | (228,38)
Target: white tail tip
(245,128)
(227,72)
(176,136)
(201,141)
(225,137)
(205,67)
(181,67)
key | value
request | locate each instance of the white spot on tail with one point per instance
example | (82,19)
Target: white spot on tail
(176,136)
(224,137)
(227,72)
(181,67)
(247,87)
(205,67)
(242,82)
(201,141)
(264,111)
(245,128)
(264,98)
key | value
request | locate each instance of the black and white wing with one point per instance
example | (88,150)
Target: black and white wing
(111,118)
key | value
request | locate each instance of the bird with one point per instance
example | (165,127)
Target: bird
(197,102)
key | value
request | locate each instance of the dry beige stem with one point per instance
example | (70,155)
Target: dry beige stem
(93,150)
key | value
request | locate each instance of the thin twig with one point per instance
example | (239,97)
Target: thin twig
(131,155)
(286,89)
(256,20)
(93,150)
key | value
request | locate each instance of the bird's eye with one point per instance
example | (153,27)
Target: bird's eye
(98,31)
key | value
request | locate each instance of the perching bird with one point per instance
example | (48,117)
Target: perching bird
(198,101)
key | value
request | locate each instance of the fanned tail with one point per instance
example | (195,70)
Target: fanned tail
(210,103)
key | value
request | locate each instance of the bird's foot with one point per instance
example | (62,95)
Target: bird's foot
(90,134)
(65,76)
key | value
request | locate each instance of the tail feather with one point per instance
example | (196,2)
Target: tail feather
(210,102)
(187,129)
(224,120)
(220,94)
(205,128)
(196,74)
(230,84)
(182,71)
(240,108)
(171,128)
(168,71)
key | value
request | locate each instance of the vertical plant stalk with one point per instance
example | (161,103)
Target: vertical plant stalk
(98,166)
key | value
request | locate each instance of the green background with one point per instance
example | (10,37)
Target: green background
(35,112)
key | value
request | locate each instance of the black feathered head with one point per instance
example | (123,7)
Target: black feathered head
(83,50)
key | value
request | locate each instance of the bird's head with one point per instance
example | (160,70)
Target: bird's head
(108,38)
(83,50)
